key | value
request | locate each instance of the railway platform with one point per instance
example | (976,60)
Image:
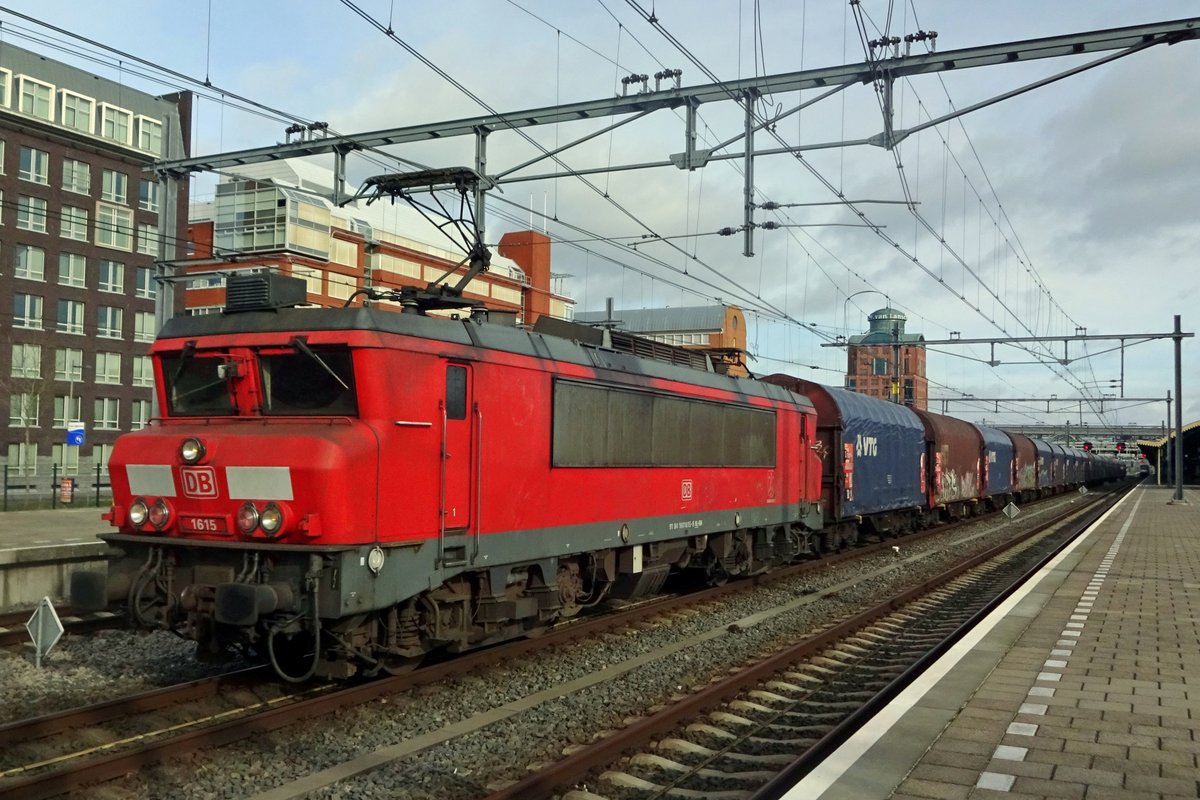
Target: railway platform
(40,549)
(1085,684)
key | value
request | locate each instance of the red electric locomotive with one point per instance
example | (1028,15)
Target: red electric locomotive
(344,490)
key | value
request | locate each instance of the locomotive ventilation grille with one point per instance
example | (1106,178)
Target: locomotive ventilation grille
(262,291)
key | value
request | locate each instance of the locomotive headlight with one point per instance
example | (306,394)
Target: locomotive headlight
(191,451)
(138,512)
(271,519)
(160,514)
(247,518)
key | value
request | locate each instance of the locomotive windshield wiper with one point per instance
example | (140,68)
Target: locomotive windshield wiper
(185,355)
(299,344)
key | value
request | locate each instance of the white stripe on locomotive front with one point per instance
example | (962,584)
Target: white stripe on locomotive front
(154,480)
(259,483)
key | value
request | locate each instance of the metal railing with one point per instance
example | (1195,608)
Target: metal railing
(30,492)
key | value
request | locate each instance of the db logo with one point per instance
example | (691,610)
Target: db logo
(685,490)
(199,481)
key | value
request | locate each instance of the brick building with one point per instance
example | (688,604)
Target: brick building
(278,216)
(886,362)
(719,330)
(79,235)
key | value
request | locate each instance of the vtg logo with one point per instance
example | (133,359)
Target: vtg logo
(866,446)
(199,482)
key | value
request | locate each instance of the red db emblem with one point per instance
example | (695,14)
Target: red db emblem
(199,482)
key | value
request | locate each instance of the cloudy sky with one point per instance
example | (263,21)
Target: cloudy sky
(1071,206)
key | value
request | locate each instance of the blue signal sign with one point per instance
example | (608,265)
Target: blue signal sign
(75,434)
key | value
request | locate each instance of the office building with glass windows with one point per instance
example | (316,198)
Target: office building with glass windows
(79,238)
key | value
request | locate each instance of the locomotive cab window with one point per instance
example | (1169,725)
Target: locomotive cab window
(197,385)
(308,382)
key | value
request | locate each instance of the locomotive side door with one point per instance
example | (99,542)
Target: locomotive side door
(457,454)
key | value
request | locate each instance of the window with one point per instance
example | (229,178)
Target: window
(149,135)
(139,414)
(311,277)
(31,214)
(22,459)
(77,111)
(147,239)
(74,223)
(115,123)
(5,87)
(27,311)
(35,165)
(68,364)
(70,316)
(113,185)
(77,176)
(143,371)
(23,410)
(108,322)
(148,196)
(111,276)
(315,383)
(114,227)
(67,408)
(143,326)
(879,366)
(145,287)
(456,392)
(72,269)
(36,98)
(29,262)
(26,360)
(108,410)
(66,457)
(108,367)
(101,453)
(1,140)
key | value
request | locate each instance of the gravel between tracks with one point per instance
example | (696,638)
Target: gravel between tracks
(89,669)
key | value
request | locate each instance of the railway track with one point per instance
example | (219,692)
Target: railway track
(14,634)
(70,768)
(757,731)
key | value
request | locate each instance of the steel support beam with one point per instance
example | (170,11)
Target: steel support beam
(1178,497)
(1136,36)
(748,176)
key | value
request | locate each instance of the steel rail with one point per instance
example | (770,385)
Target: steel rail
(50,782)
(571,769)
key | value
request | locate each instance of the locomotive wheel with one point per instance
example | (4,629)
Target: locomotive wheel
(398,665)
(716,572)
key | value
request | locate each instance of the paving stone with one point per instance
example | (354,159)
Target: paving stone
(933,790)
(1146,783)
(1089,777)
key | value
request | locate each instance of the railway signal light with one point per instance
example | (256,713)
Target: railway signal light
(1120,447)
(1087,447)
